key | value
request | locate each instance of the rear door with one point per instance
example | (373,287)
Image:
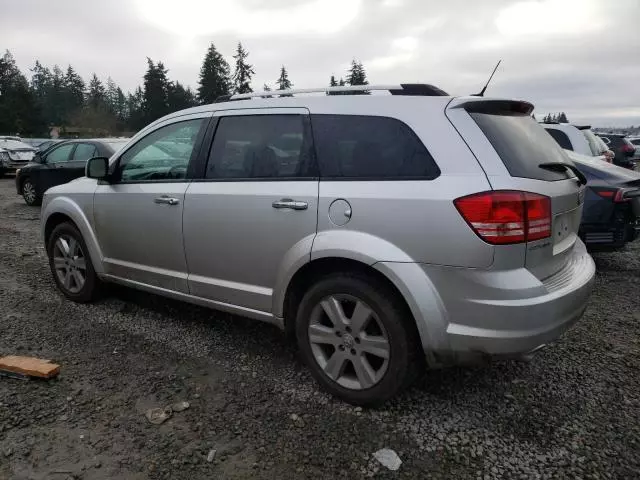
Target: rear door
(510,146)
(254,210)
(74,168)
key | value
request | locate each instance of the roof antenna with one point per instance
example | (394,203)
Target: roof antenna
(484,89)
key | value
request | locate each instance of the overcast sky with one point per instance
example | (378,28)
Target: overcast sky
(577,56)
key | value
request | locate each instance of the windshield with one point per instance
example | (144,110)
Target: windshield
(595,145)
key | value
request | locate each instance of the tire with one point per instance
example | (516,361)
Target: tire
(30,194)
(361,375)
(66,275)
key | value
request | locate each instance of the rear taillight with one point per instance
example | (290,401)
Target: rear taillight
(615,194)
(627,148)
(505,217)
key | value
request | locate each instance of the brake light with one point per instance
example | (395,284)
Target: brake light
(507,217)
(615,194)
(626,148)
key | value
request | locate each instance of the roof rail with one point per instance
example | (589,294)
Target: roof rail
(417,89)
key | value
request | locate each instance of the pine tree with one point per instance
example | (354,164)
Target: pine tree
(357,75)
(96,96)
(283,81)
(56,97)
(156,86)
(135,110)
(562,118)
(19,110)
(333,82)
(243,71)
(179,98)
(341,83)
(111,95)
(214,77)
(73,91)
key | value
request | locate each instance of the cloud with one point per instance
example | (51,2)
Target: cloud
(577,56)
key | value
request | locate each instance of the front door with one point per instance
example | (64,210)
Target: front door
(256,208)
(53,172)
(138,215)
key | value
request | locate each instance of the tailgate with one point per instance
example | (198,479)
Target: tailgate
(510,146)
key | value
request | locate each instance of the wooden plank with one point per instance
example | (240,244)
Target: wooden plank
(34,367)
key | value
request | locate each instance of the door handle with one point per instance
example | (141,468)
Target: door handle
(59,166)
(290,204)
(164,200)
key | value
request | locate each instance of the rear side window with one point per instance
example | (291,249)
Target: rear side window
(84,151)
(522,144)
(366,147)
(561,138)
(260,146)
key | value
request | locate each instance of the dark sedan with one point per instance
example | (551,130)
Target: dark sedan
(61,164)
(610,217)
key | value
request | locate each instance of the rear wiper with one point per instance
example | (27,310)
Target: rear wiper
(563,167)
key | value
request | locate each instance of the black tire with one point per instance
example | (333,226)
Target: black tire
(34,200)
(91,288)
(405,357)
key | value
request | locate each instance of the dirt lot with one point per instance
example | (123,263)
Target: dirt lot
(573,412)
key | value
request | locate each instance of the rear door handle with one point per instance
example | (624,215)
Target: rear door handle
(164,200)
(290,204)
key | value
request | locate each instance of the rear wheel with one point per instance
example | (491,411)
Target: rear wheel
(30,193)
(357,338)
(71,265)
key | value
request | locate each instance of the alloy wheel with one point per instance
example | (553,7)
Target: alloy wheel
(349,342)
(69,263)
(29,192)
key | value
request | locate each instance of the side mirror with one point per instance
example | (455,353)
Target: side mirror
(98,168)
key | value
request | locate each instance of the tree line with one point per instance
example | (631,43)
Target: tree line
(555,118)
(57,97)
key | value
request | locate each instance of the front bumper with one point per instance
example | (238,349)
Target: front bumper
(508,313)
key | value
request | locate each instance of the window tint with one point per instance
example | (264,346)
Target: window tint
(161,155)
(84,151)
(260,146)
(354,146)
(522,144)
(561,138)
(60,154)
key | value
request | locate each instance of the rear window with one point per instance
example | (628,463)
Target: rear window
(522,144)
(561,138)
(369,147)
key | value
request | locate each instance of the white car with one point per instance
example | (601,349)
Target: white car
(14,155)
(579,139)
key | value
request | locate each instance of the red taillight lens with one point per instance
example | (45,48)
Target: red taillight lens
(615,194)
(628,148)
(505,217)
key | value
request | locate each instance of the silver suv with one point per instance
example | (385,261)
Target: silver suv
(384,231)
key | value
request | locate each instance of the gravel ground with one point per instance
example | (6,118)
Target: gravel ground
(572,412)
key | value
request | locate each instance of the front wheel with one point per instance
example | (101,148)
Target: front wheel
(30,194)
(357,337)
(71,265)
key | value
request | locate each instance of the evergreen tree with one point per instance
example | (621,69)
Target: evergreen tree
(73,92)
(341,83)
(111,95)
(214,77)
(96,96)
(135,110)
(156,87)
(56,97)
(357,76)
(243,71)
(266,88)
(562,118)
(283,81)
(179,98)
(333,82)
(19,110)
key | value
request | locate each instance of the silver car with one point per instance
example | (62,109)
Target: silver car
(386,232)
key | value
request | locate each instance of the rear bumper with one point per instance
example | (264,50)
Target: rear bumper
(505,313)
(612,235)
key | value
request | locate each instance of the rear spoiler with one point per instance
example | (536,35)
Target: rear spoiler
(496,107)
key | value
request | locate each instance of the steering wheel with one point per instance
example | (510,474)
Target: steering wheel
(177,172)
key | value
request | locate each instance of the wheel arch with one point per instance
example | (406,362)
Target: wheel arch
(60,210)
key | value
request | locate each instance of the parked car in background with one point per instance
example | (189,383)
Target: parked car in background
(14,154)
(636,144)
(608,153)
(610,217)
(61,164)
(341,218)
(577,138)
(624,150)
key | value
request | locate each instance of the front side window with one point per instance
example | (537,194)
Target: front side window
(162,155)
(84,151)
(60,154)
(260,146)
(366,147)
